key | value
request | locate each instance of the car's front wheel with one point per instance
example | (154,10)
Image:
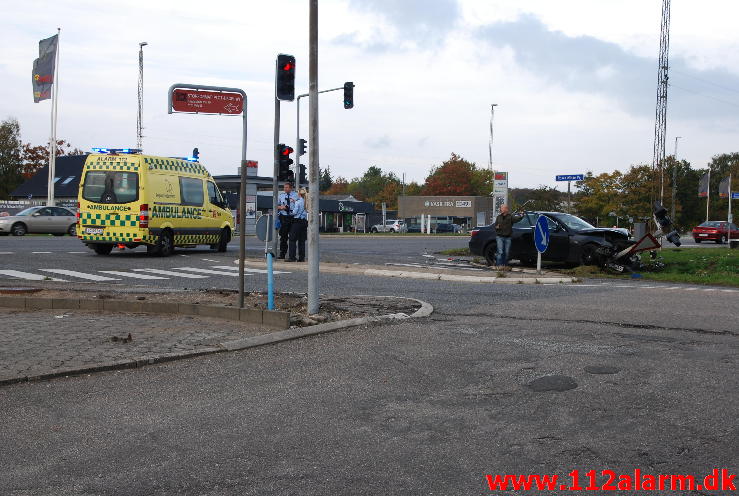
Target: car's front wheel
(373,230)
(589,255)
(698,240)
(19,229)
(489,253)
(721,240)
(72,231)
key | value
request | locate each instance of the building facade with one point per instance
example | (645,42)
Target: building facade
(466,211)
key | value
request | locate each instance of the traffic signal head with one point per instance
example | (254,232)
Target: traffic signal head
(284,162)
(665,224)
(285,77)
(196,154)
(302,144)
(348,95)
(302,176)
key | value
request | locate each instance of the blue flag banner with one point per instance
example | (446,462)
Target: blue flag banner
(42,77)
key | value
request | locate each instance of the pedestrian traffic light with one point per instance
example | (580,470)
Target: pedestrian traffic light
(285,77)
(665,224)
(301,175)
(348,95)
(302,144)
(283,166)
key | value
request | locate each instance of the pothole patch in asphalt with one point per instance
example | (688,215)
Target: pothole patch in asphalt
(557,383)
(602,369)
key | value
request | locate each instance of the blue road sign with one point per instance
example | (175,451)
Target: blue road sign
(570,177)
(541,234)
(735,195)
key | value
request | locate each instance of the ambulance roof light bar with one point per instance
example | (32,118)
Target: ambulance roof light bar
(115,151)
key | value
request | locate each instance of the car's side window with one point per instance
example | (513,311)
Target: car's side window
(523,223)
(46,211)
(553,224)
(61,212)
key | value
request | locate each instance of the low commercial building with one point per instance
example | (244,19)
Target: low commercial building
(466,211)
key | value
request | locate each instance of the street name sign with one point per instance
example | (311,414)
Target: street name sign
(207,102)
(570,177)
(735,195)
(541,234)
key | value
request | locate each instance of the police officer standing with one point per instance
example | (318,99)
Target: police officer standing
(285,211)
(299,229)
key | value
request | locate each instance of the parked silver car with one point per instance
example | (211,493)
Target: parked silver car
(390,226)
(43,220)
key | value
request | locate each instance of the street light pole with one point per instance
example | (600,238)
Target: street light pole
(674,180)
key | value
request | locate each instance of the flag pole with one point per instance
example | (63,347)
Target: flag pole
(730,217)
(52,142)
(708,193)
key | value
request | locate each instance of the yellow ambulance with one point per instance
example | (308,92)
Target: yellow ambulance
(128,199)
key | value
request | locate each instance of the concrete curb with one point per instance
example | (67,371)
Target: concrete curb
(300,332)
(241,344)
(434,276)
(269,318)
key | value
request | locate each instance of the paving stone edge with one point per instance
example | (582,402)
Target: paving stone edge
(425,310)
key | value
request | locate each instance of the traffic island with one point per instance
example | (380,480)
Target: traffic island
(486,275)
(62,333)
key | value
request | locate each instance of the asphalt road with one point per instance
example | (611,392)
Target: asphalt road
(422,407)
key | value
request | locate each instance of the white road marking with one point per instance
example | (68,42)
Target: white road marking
(209,260)
(690,289)
(172,273)
(40,252)
(81,275)
(6,252)
(128,274)
(77,252)
(28,276)
(207,271)
(249,269)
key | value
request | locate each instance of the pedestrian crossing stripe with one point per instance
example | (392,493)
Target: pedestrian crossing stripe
(175,165)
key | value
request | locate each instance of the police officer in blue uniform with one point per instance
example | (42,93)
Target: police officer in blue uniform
(298,229)
(285,211)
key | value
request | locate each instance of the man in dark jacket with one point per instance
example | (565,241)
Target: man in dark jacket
(503,231)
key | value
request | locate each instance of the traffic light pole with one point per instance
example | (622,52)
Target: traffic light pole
(313,171)
(297,133)
(276,156)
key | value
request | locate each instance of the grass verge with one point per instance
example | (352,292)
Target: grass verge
(714,266)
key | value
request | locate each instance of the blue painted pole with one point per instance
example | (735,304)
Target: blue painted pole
(270,284)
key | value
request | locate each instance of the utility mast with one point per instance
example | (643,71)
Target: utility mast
(139,120)
(660,123)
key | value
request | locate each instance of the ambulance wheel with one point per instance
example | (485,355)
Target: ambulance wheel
(223,240)
(102,249)
(165,245)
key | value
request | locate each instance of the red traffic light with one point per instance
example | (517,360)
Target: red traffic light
(287,67)
(286,151)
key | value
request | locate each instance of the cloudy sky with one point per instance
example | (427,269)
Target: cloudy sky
(574,80)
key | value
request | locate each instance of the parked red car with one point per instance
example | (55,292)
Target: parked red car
(714,230)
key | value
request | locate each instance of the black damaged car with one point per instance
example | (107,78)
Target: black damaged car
(571,240)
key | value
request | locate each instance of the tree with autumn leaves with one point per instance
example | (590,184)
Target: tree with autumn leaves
(19,161)
(458,177)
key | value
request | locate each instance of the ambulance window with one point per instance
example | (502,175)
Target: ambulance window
(212,193)
(191,191)
(111,187)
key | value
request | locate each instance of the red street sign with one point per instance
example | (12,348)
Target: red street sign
(207,102)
